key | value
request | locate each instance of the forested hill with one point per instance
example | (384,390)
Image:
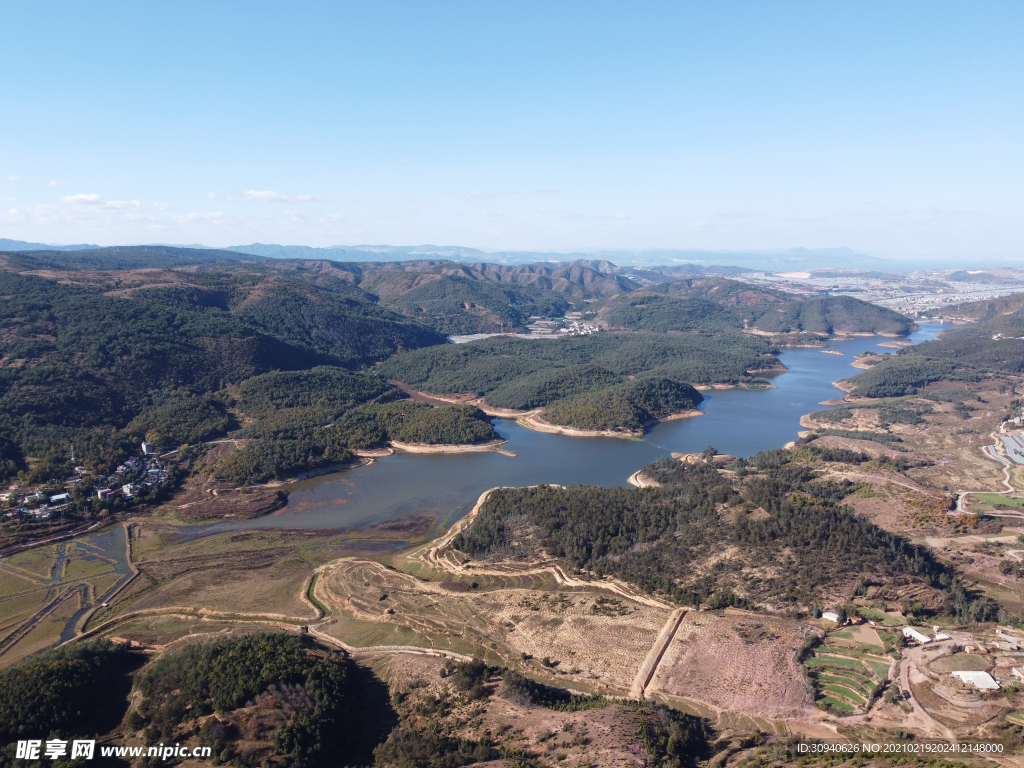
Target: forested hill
(123,257)
(968,352)
(523,374)
(711,304)
(768,534)
(986,309)
(834,314)
(85,351)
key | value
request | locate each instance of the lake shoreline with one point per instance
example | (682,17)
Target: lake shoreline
(741,423)
(534,422)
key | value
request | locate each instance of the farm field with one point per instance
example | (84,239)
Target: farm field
(989,501)
(846,680)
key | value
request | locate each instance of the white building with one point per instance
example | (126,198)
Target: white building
(912,634)
(983,681)
(830,616)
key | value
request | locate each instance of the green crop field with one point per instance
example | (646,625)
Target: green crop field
(858,685)
(834,661)
(837,703)
(998,498)
(845,692)
(880,616)
(844,679)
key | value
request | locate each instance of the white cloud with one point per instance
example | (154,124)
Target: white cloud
(55,184)
(268,196)
(211,216)
(163,206)
(15,178)
(95,202)
(404,161)
(81,199)
(478,195)
(35,215)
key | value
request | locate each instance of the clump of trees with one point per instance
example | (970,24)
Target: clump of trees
(76,689)
(627,407)
(309,419)
(522,690)
(319,727)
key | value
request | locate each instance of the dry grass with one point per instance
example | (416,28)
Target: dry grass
(589,635)
(12,584)
(708,660)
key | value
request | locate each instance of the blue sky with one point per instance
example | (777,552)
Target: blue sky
(892,128)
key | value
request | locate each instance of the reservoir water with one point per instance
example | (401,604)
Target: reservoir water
(739,422)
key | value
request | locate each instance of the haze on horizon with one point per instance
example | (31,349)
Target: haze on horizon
(894,131)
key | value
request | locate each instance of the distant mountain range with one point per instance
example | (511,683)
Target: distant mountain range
(747,260)
(21,245)
(801,259)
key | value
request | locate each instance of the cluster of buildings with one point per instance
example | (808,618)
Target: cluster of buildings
(132,476)
(571,325)
(127,480)
(1010,645)
(577,328)
(35,506)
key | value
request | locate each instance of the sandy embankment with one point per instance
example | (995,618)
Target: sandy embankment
(493,445)
(844,386)
(468,398)
(707,387)
(374,453)
(640,480)
(532,420)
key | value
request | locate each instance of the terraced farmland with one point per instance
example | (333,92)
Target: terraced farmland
(844,679)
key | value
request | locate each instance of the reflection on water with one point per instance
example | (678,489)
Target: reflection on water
(739,422)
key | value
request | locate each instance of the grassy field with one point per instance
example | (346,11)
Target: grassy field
(959,661)
(38,562)
(78,567)
(13,584)
(989,500)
